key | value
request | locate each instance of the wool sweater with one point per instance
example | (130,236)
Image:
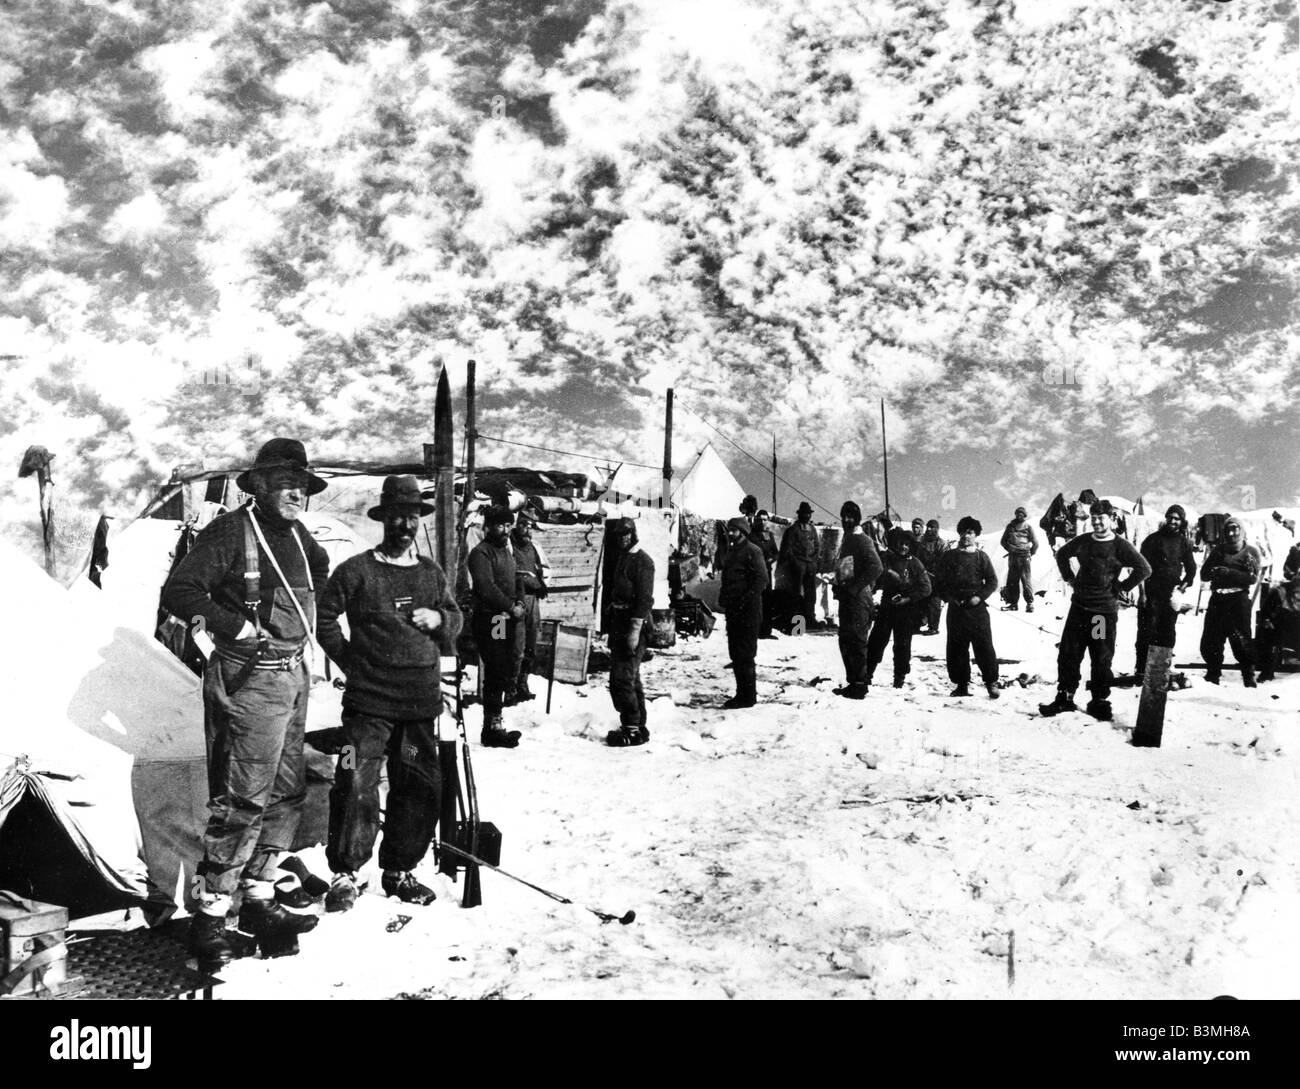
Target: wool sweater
(209,582)
(1232,570)
(631,591)
(962,574)
(905,577)
(392,666)
(1172,561)
(800,543)
(493,572)
(1097,586)
(857,569)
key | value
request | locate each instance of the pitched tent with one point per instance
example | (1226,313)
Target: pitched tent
(708,488)
(101,740)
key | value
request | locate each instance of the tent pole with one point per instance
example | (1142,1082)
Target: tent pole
(773,472)
(471,436)
(884,446)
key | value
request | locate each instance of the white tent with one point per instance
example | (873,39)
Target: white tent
(101,740)
(708,489)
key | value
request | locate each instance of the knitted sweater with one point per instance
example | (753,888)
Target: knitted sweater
(1225,570)
(1172,561)
(209,582)
(392,666)
(857,568)
(1097,585)
(800,544)
(630,593)
(962,574)
(492,569)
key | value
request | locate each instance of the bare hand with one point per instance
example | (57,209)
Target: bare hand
(517,610)
(975,600)
(427,620)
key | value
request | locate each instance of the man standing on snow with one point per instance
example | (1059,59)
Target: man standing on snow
(762,537)
(1279,617)
(252,577)
(1020,543)
(1230,569)
(402,619)
(530,570)
(1173,567)
(928,551)
(497,612)
(903,586)
(1094,610)
(856,571)
(800,548)
(626,618)
(744,577)
(966,578)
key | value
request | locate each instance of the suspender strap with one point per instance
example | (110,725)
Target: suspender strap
(308,627)
(252,573)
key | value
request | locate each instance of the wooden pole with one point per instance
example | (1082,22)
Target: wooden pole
(444,475)
(471,435)
(884,446)
(773,472)
(668,451)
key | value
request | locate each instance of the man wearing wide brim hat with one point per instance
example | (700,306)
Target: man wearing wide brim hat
(800,551)
(248,586)
(402,618)
(498,608)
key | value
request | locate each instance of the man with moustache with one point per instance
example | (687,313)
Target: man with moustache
(857,568)
(744,578)
(965,576)
(800,549)
(1230,569)
(627,613)
(928,550)
(402,619)
(497,611)
(250,580)
(530,570)
(1020,543)
(1173,567)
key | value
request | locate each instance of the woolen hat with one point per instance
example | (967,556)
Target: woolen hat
(969,523)
(898,537)
(1176,508)
(281,454)
(497,515)
(399,491)
(933,523)
(1021,512)
(622,525)
(741,524)
(851,509)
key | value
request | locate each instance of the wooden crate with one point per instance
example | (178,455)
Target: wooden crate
(30,929)
(568,646)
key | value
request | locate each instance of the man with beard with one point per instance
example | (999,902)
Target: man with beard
(496,614)
(402,618)
(1094,610)
(251,579)
(904,584)
(1020,543)
(966,578)
(762,536)
(800,548)
(856,570)
(530,567)
(744,577)
(626,617)
(1230,569)
(1173,567)
(928,550)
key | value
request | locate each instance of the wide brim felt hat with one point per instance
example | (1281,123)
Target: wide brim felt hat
(281,454)
(399,491)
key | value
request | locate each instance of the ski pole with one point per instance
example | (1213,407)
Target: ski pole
(603,916)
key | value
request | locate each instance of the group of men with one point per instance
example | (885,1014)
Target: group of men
(255,586)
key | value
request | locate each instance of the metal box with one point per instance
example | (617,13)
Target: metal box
(33,954)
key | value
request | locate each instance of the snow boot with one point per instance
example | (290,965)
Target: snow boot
(626,737)
(213,944)
(1100,710)
(739,701)
(496,736)
(1248,677)
(274,927)
(899,681)
(992,689)
(343,893)
(522,692)
(1029,606)
(852,691)
(403,885)
(1212,676)
(1064,702)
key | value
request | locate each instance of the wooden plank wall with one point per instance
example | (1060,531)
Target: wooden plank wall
(573,553)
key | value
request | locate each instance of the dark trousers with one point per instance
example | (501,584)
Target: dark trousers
(1019,580)
(524,651)
(900,622)
(1279,629)
(625,679)
(495,638)
(933,610)
(854,635)
(1228,617)
(257,773)
(414,792)
(1157,624)
(803,581)
(742,645)
(1095,634)
(969,631)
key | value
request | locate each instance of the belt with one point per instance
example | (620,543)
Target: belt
(290,661)
(1229,590)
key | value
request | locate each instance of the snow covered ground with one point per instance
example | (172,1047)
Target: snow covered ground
(897,847)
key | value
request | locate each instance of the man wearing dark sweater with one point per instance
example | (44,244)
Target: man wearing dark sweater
(1230,569)
(626,615)
(744,580)
(402,618)
(856,570)
(1020,543)
(800,549)
(966,578)
(1094,610)
(498,609)
(928,550)
(255,687)
(904,585)
(530,572)
(1173,567)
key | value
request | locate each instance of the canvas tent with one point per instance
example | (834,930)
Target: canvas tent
(708,489)
(102,777)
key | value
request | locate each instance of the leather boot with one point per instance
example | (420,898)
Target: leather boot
(496,736)
(271,924)
(213,944)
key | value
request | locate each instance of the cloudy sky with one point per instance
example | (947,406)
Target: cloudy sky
(1058,238)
